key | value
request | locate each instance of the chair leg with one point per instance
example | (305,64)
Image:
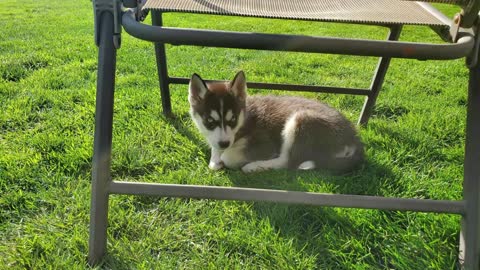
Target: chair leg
(102,141)
(378,78)
(470,235)
(161,58)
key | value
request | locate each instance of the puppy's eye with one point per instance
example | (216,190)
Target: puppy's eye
(210,120)
(233,119)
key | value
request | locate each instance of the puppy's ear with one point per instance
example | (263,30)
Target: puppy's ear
(239,85)
(196,89)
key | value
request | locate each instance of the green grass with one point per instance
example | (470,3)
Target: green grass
(414,144)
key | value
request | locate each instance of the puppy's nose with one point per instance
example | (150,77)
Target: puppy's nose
(223,144)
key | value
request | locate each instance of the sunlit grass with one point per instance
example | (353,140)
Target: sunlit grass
(414,145)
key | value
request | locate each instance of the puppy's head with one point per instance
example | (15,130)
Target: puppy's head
(218,109)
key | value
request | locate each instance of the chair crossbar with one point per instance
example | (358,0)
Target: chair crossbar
(288,87)
(285,196)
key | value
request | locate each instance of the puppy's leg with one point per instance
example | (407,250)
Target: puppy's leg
(215,161)
(234,156)
(263,165)
(288,136)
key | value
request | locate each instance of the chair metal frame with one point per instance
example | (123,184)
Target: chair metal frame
(110,16)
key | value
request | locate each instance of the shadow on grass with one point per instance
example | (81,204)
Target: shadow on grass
(366,180)
(129,167)
(179,123)
(311,229)
(306,226)
(301,223)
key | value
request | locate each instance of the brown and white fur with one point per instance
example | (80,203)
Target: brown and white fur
(270,132)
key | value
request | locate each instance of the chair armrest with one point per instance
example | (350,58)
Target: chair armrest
(297,43)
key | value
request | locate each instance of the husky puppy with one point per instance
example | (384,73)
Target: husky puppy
(270,132)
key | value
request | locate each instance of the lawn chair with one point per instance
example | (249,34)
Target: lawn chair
(461,40)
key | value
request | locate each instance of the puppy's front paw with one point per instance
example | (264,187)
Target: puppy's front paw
(215,165)
(255,166)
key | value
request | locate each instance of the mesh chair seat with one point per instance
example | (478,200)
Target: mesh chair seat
(351,11)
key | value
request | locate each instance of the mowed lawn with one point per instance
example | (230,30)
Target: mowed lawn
(414,143)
